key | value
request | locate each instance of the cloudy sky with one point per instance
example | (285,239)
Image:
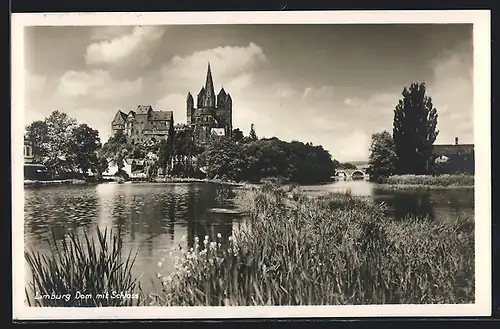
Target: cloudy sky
(332,85)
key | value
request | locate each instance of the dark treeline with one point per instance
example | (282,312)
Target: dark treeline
(72,150)
(254,160)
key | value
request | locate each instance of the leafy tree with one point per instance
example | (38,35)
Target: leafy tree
(165,154)
(224,159)
(67,149)
(237,135)
(102,166)
(37,133)
(117,148)
(84,144)
(252,135)
(184,150)
(414,130)
(58,157)
(382,156)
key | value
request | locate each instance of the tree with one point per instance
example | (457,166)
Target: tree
(165,154)
(224,159)
(414,130)
(237,135)
(52,140)
(252,135)
(84,144)
(382,155)
(184,149)
(37,133)
(117,149)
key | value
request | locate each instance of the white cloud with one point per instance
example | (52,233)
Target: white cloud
(133,47)
(173,102)
(232,67)
(354,146)
(101,33)
(35,84)
(97,84)
(451,90)
(351,101)
(229,65)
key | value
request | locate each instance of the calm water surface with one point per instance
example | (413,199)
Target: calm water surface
(435,204)
(153,219)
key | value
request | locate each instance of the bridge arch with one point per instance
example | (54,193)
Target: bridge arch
(357,172)
(341,173)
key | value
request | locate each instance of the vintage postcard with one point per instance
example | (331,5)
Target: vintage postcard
(251,165)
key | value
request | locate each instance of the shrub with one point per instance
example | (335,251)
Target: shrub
(78,268)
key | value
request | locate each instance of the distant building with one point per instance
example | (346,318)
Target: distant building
(212,114)
(144,124)
(454,158)
(33,171)
(28,152)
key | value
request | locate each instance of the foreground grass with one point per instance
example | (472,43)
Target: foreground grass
(83,273)
(331,250)
(428,181)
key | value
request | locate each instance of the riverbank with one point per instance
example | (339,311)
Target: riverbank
(427,182)
(198,180)
(335,249)
(29,183)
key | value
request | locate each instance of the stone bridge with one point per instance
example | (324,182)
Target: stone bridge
(350,173)
(358,173)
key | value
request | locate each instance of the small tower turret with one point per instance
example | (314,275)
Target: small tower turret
(222,98)
(200,98)
(189,107)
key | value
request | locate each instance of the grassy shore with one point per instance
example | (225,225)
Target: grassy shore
(196,180)
(427,182)
(54,182)
(296,250)
(330,250)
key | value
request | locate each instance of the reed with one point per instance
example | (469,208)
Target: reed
(83,272)
(336,249)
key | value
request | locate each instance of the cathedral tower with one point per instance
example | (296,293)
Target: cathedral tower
(213,112)
(209,100)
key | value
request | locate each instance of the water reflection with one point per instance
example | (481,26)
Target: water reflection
(151,219)
(401,205)
(433,204)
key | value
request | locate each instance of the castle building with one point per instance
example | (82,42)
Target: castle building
(144,124)
(212,114)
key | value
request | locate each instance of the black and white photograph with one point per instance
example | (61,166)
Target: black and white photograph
(174,163)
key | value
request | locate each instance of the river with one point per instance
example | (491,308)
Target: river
(153,219)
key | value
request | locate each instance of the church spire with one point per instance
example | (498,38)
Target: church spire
(209,89)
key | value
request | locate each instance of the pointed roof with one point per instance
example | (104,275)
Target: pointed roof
(119,117)
(209,84)
(222,92)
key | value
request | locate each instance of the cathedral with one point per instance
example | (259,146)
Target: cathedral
(212,114)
